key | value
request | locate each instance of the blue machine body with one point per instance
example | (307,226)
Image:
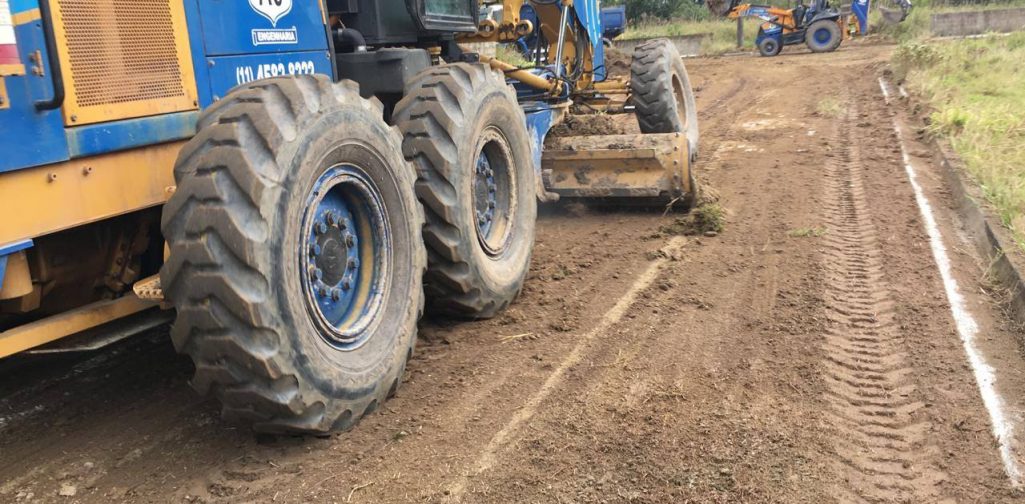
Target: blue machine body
(860,10)
(613,21)
(231,43)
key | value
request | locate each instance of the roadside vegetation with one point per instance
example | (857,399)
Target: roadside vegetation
(722,32)
(976,91)
(917,25)
(669,18)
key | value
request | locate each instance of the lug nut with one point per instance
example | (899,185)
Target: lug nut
(336,294)
(329,217)
(323,291)
(320,228)
(346,284)
(349,240)
(352,263)
(318,274)
(315,249)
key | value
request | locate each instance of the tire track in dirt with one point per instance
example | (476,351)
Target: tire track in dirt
(721,101)
(882,447)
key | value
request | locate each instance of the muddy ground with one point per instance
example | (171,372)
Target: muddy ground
(805,354)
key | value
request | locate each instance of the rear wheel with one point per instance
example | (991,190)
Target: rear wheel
(295,257)
(467,137)
(823,36)
(661,93)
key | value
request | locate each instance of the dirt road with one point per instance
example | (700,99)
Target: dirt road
(806,354)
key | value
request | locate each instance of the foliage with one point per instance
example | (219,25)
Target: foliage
(722,33)
(641,11)
(976,88)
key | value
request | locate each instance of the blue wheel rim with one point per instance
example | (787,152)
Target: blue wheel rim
(493,190)
(822,35)
(344,257)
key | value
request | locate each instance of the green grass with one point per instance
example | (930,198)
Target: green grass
(917,25)
(509,54)
(723,33)
(976,88)
(706,218)
(829,107)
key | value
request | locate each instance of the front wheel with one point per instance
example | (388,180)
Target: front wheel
(467,136)
(295,255)
(823,36)
(769,46)
(661,93)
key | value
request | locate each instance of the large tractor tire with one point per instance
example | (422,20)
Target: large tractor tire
(823,36)
(295,255)
(661,93)
(467,137)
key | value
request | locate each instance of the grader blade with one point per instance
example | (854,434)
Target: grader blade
(645,169)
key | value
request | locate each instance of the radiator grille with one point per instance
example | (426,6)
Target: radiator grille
(123,52)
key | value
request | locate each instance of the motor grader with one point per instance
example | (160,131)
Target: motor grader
(293,182)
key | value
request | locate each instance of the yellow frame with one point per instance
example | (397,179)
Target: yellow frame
(53,328)
(75,115)
(45,199)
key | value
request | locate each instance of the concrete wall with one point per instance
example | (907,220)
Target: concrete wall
(688,45)
(959,24)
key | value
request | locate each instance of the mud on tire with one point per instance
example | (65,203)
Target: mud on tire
(480,216)
(660,91)
(234,227)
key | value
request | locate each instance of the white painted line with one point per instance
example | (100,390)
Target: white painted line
(489,456)
(967,328)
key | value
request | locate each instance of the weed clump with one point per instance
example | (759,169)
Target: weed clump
(705,219)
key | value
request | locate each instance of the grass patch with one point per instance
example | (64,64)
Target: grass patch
(829,107)
(918,23)
(723,33)
(707,218)
(808,232)
(976,89)
(510,54)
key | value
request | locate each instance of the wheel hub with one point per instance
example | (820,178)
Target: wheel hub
(493,189)
(484,194)
(344,258)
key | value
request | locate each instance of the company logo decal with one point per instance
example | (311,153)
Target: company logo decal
(273,10)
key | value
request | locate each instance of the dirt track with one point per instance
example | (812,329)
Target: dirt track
(755,366)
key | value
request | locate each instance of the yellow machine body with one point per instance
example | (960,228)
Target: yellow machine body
(643,168)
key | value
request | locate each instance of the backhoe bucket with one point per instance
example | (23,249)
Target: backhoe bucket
(644,169)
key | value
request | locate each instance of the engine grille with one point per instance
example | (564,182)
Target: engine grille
(123,58)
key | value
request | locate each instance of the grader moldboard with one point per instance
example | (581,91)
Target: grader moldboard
(295,179)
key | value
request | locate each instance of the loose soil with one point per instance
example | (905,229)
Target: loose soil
(637,366)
